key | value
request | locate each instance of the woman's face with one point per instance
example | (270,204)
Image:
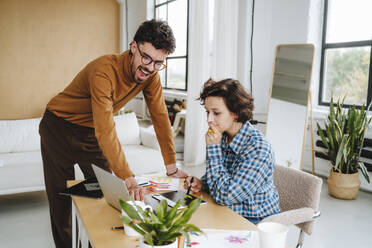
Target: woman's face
(218,115)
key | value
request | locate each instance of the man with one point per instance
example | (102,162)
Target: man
(78,125)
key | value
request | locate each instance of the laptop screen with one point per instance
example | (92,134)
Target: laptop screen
(113,188)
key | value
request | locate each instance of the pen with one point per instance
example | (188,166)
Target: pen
(144,184)
(147,185)
(188,190)
(150,186)
(117,227)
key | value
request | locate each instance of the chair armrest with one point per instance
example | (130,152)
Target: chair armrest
(148,138)
(292,217)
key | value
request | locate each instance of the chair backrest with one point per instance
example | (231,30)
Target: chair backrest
(297,189)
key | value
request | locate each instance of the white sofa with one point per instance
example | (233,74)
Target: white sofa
(21,167)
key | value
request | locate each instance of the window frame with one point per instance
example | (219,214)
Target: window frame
(350,44)
(170,57)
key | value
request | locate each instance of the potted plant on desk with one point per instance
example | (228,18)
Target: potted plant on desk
(343,138)
(162,227)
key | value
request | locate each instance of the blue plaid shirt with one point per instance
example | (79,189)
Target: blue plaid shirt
(240,174)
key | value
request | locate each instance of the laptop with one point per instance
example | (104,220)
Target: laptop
(113,188)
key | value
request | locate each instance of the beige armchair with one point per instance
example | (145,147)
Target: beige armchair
(299,194)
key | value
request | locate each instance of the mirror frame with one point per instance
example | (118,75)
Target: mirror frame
(309,97)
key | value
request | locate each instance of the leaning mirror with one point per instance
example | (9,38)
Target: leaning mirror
(288,102)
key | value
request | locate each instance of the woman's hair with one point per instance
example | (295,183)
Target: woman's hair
(158,33)
(236,98)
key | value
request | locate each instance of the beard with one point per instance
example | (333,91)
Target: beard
(142,70)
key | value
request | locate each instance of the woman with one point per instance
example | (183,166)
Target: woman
(240,161)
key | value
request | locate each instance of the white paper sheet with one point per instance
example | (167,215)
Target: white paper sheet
(161,182)
(215,238)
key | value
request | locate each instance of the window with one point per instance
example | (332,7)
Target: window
(175,12)
(346,52)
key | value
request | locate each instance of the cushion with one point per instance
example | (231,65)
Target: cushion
(148,137)
(143,160)
(21,172)
(127,129)
(19,135)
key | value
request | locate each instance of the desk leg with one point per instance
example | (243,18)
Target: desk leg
(81,239)
(73,221)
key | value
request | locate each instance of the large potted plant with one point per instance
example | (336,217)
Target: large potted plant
(343,138)
(162,227)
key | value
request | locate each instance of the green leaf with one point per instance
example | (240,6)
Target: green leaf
(129,210)
(148,238)
(161,209)
(337,128)
(170,237)
(330,137)
(192,228)
(340,154)
(187,236)
(187,214)
(173,213)
(321,134)
(154,219)
(364,171)
(126,220)
(145,226)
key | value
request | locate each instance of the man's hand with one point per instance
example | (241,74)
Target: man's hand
(173,171)
(138,193)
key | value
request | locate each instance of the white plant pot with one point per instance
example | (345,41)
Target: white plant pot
(143,245)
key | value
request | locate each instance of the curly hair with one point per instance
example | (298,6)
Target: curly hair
(236,98)
(158,33)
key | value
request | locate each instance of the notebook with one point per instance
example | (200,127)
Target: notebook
(87,188)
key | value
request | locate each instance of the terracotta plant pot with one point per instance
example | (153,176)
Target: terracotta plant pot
(343,186)
(142,244)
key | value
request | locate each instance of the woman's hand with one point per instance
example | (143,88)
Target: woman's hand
(195,186)
(213,136)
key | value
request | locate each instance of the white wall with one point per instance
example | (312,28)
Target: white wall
(132,14)
(276,22)
(137,10)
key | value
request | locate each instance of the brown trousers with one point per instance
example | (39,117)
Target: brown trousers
(64,144)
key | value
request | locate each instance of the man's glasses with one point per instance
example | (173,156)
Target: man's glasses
(146,60)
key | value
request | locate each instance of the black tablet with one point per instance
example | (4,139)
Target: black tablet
(173,196)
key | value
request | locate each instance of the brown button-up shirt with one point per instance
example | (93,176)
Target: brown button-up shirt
(99,91)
